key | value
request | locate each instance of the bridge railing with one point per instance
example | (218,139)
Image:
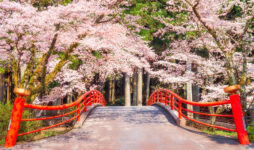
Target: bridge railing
(175,102)
(87,99)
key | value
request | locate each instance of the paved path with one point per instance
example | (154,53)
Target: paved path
(132,128)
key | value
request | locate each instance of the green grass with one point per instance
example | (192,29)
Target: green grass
(26,126)
(5,115)
(221,133)
(118,102)
(250,129)
(211,131)
(51,132)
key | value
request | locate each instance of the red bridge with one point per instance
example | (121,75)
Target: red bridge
(156,126)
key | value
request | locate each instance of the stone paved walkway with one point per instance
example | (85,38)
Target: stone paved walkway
(132,128)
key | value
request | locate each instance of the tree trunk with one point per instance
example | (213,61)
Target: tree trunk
(196,98)
(189,98)
(189,91)
(147,86)
(213,118)
(135,88)
(8,93)
(59,102)
(69,99)
(110,91)
(171,85)
(1,88)
(214,110)
(251,115)
(113,92)
(127,93)
(140,81)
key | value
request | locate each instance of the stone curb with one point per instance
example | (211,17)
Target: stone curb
(172,113)
(84,115)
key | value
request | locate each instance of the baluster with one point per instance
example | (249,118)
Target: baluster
(157,97)
(171,102)
(90,99)
(179,109)
(165,98)
(93,97)
(161,96)
(85,104)
(78,112)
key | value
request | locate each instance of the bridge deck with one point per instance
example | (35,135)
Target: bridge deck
(132,128)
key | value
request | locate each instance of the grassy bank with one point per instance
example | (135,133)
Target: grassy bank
(221,133)
(211,131)
(250,129)
(5,115)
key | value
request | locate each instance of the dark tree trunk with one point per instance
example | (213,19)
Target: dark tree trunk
(147,87)
(110,91)
(127,93)
(135,89)
(140,83)
(196,98)
(113,98)
(2,88)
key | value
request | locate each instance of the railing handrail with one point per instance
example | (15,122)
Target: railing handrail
(157,96)
(60,107)
(190,102)
(94,96)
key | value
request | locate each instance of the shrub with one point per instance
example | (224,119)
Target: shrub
(118,102)
(250,129)
(5,115)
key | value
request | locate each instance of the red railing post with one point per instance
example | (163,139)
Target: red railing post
(239,119)
(90,99)
(78,112)
(93,97)
(14,123)
(165,98)
(98,98)
(104,102)
(179,109)
(85,105)
(96,101)
(160,96)
(171,102)
(157,97)
(150,100)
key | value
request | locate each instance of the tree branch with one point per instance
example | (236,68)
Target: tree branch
(50,77)
(212,32)
(30,66)
(44,65)
(43,61)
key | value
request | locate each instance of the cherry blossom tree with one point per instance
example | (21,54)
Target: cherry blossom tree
(210,27)
(67,45)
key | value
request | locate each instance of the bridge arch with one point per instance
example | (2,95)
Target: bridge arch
(175,102)
(170,100)
(87,99)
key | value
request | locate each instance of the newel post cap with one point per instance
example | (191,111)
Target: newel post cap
(21,92)
(232,89)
